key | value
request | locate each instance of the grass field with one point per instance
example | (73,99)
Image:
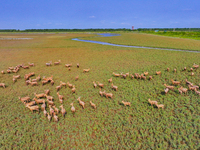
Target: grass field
(150,40)
(111,125)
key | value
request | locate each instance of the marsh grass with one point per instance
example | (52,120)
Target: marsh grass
(150,40)
(111,125)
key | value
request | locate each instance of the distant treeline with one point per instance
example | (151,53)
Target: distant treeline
(100,30)
(65,30)
(169,29)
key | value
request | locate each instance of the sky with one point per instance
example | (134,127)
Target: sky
(84,14)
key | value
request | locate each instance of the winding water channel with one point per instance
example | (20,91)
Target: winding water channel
(109,34)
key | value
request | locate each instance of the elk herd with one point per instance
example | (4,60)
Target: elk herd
(45,98)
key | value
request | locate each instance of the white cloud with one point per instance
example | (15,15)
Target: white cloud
(92,17)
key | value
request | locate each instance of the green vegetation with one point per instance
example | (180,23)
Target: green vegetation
(149,40)
(170,29)
(111,126)
(180,34)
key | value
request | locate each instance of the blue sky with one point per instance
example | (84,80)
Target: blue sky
(70,14)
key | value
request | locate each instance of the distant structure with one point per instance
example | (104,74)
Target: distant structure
(132,27)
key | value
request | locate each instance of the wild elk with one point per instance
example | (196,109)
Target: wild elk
(39,95)
(81,102)
(116,74)
(17,76)
(47,92)
(24,99)
(100,92)
(126,103)
(114,87)
(49,97)
(45,112)
(94,84)
(25,67)
(63,84)
(192,87)
(143,77)
(169,87)
(152,102)
(76,78)
(60,96)
(123,75)
(188,82)
(49,63)
(166,90)
(197,92)
(27,76)
(56,109)
(73,108)
(52,82)
(30,103)
(101,85)
(33,83)
(167,69)
(158,72)
(184,90)
(86,70)
(9,71)
(44,82)
(160,106)
(55,117)
(175,82)
(51,110)
(2,72)
(43,106)
(32,108)
(108,95)
(39,101)
(195,66)
(49,117)
(132,76)
(50,102)
(146,73)
(73,89)
(14,80)
(150,78)
(57,63)
(31,64)
(58,87)
(174,70)
(110,80)
(77,65)
(93,105)
(70,85)
(68,65)
(63,111)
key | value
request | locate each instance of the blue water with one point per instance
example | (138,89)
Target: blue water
(110,34)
